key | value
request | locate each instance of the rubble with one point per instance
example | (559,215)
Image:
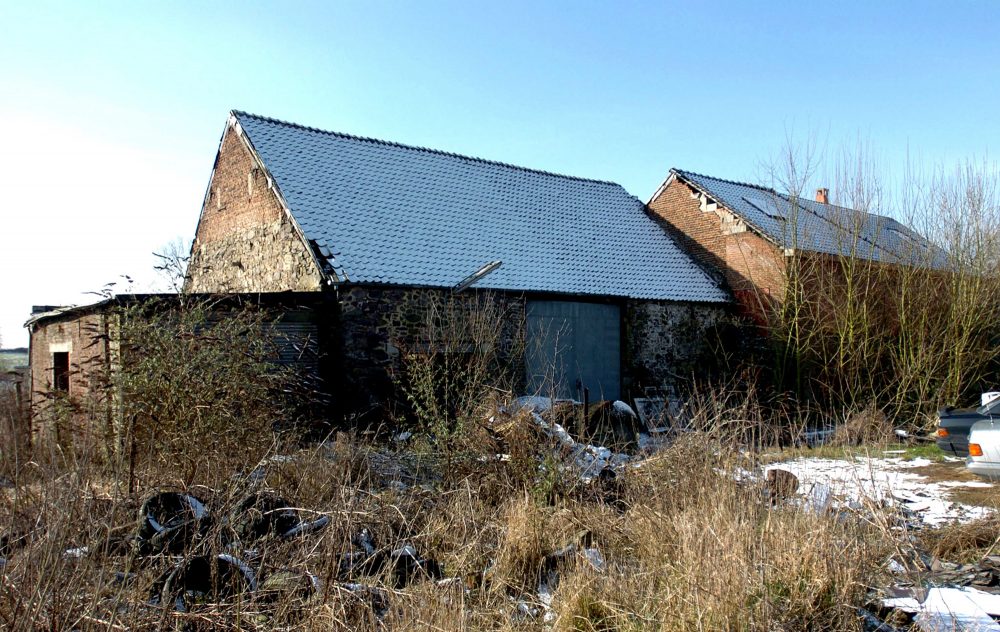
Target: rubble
(587,460)
(579,551)
(933,594)
(942,609)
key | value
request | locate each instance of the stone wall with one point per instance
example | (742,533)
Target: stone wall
(664,343)
(379,326)
(246,242)
(668,344)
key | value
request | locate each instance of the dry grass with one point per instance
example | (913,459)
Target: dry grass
(14,431)
(964,542)
(686,547)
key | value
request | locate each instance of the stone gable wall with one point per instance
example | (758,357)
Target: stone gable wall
(245,241)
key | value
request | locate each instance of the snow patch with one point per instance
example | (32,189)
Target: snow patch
(855,482)
(947,609)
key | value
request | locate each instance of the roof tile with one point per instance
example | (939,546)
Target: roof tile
(404,215)
(809,225)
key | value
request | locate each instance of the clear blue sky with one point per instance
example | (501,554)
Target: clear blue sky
(110,113)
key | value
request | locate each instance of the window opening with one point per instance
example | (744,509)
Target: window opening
(60,371)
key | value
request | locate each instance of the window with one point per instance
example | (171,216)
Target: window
(60,371)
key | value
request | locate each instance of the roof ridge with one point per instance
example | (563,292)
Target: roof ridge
(786,194)
(685,173)
(441,152)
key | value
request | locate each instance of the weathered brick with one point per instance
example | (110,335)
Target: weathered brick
(246,241)
(753,267)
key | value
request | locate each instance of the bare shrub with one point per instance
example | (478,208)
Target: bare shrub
(869,426)
(196,386)
(457,362)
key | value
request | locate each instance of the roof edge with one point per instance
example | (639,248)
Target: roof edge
(682,175)
(429,150)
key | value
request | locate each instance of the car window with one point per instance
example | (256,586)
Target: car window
(993,408)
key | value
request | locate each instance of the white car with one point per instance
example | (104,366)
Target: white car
(984,449)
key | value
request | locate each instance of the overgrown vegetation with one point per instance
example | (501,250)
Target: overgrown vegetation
(196,377)
(911,330)
(684,546)
(458,357)
(681,542)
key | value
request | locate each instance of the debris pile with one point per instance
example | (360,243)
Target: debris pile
(932,595)
(181,527)
(928,594)
(613,420)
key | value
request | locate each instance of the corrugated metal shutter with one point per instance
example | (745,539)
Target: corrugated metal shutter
(297,340)
(572,346)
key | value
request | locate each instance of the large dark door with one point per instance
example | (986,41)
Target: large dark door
(572,346)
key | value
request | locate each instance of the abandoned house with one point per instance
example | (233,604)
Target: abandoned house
(749,235)
(607,301)
(353,240)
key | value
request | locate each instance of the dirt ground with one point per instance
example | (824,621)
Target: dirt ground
(987,495)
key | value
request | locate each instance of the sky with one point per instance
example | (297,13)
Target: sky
(111,113)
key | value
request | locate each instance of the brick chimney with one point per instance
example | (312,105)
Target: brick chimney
(823,196)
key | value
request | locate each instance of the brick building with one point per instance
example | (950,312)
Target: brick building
(751,237)
(606,300)
(73,351)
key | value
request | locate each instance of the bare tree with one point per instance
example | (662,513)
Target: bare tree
(906,315)
(172,263)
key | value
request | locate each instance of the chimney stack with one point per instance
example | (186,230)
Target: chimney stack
(823,196)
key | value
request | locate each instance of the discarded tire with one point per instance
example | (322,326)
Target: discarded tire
(264,514)
(204,579)
(401,565)
(169,522)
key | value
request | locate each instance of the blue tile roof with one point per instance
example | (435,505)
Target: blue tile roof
(806,224)
(389,213)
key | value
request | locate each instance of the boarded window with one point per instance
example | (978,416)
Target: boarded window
(60,371)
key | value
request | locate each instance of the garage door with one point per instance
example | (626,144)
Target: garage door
(572,346)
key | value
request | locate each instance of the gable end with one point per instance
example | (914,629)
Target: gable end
(246,239)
